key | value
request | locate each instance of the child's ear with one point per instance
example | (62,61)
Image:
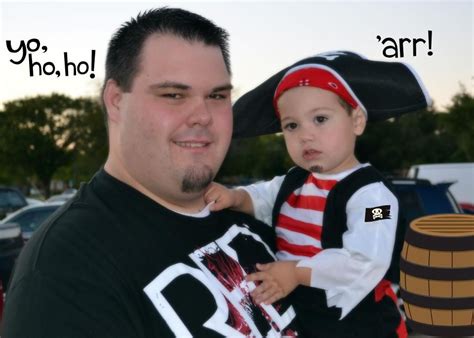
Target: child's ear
(359,121)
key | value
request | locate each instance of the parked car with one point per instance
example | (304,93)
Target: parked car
(30,217)
(63,197)
(460,174)
(11,243)
(33,201)
(11,199)
(419,197)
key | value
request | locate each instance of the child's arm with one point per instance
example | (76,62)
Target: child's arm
(237,199)
(278,280)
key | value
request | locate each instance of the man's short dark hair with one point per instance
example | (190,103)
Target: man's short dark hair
(125,47)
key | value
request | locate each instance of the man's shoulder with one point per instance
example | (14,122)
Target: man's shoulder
(85,208)
(73,225)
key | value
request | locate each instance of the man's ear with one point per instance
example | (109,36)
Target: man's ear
(112,96)
(359,120)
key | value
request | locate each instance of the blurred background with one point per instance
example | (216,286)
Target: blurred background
(52,134)
(52,131)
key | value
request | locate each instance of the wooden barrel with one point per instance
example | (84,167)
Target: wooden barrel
(437,274)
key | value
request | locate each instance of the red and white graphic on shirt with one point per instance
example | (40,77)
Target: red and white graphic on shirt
(219,270)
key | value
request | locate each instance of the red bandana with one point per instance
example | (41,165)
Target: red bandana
(314,77)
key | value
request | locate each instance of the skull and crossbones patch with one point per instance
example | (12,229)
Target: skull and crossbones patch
(377,213)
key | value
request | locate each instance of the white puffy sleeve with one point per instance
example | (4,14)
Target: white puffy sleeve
(263,197)
(348,274)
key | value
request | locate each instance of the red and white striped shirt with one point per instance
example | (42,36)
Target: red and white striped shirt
(299,225)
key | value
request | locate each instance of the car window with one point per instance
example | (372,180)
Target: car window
(11,199)
(32,219)
(436,200)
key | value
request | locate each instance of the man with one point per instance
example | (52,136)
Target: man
(137,253)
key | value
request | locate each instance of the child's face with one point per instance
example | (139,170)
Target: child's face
(319,133)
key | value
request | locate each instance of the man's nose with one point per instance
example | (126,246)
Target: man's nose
(200,114)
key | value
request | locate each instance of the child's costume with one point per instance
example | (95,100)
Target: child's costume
(342,226)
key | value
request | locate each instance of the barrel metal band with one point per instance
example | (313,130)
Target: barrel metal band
(439,330)
(439,243)
(427,272)
(437,302)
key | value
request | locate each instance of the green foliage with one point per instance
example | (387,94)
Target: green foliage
(459,124)
(41,134)
(393,146)
(91,146)
(422,137)
(260,157)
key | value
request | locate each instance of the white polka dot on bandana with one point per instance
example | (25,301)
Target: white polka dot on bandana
(303,82)
(333,85)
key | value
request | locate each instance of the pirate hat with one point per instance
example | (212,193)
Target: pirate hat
(382,90)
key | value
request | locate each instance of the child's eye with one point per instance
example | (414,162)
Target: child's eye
(320,119)
(290,126)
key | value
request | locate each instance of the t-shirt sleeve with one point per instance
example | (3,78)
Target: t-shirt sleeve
(348,274)
(263,196)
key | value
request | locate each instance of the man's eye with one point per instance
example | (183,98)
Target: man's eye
(217,96)
(320,119)
(172,95)
(290,126)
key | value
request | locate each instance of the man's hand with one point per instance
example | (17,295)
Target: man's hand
(278,279)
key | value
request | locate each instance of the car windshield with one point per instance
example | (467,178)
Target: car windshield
(10,199)
(420,200)
(437,203)
(30,220)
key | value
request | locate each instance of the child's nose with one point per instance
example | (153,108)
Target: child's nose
(307,134)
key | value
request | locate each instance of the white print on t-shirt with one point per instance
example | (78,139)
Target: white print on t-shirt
(219,270)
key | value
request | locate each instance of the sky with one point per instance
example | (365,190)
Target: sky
(265,36)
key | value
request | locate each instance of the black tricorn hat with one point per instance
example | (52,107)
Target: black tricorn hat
(383,90)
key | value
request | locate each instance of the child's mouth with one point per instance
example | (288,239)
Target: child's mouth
(311,154)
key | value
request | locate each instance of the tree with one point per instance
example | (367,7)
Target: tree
(426,136)
(459,124)
(393,146)
(91,147)
(37,137)
(255,158)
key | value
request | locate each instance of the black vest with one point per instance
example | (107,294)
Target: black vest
(309,299)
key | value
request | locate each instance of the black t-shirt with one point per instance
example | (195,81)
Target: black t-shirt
(114,263)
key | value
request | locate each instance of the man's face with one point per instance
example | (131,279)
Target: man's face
(174,126)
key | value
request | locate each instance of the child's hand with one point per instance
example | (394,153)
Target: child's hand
(222,196)
(278,279)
